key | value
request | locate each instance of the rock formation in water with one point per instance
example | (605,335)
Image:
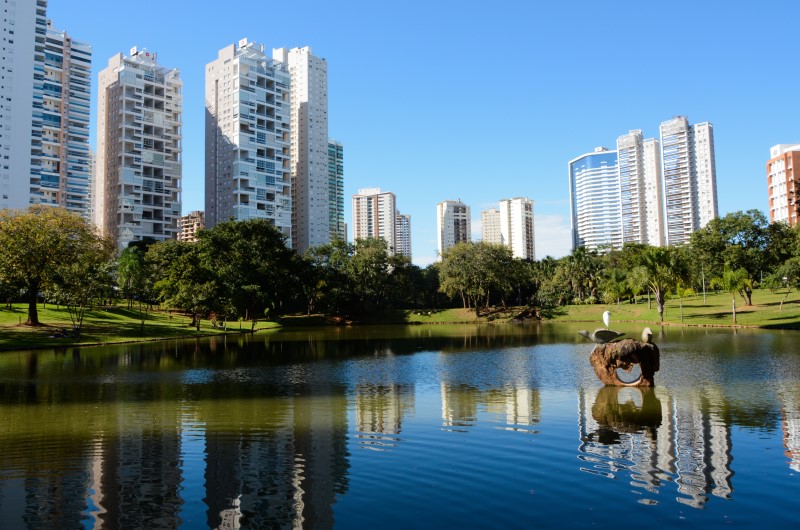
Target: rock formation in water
(625,355)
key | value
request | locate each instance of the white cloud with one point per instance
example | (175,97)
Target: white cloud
(553,236)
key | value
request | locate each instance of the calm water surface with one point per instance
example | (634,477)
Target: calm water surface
(397,427)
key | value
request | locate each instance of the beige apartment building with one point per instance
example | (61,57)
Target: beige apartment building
(189,225)
(137,193)
(782,184)
(374,216)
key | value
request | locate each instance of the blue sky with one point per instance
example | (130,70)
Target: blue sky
(441,100)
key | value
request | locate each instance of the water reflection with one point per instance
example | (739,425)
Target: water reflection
(269,432)
(655,437)
(379,411)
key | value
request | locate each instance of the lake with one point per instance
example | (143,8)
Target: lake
(493,426)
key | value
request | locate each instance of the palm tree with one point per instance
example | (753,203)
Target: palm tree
(661,271)
(732,281)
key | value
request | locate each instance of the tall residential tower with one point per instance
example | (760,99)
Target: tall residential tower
(65,176)
(336,191)
(309,146)
(452,224)
(516,227)
(690,189)
(595,200)
(374,216)
(44,112)
(247,138)
(137,193)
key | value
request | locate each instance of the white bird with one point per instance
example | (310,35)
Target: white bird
(607,318)
(647,336)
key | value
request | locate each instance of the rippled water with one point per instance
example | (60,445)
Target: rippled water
(397,427)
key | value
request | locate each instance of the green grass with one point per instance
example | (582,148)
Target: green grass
(117,324)
(105,325)
(715,311)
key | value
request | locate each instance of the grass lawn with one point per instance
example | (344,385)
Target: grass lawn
(118,324)
(101,325)
(716,310)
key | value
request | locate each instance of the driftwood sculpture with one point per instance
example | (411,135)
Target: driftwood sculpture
(624,355)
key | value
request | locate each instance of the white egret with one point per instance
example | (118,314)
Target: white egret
(607,318)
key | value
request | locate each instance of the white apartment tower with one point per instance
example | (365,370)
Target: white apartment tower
(22,67)
(630,166)
(452,224)
(338,227)
(687,161)
(516,227)
(653,198)
(595,200)
(309,146)
(137,194)
(639,168)
(490,226)
(374,216)
(65,172)
(247,138)
(403,234)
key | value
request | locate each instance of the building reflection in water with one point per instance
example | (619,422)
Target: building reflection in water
(284,476)
(790,425)
(379,413)
(519,405)
(656,438)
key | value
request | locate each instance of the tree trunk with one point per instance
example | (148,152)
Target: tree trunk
(660,305)
(33,312)
(733,299)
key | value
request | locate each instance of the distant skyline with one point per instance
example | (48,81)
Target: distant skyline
(446,100)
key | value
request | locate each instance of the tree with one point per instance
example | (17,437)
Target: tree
(582,270)
(732,281)
(33,245)
(136,279)
(185,279)
(740,240)
(661,270)
(256,271)
(88,275)
(476,271)
(787,275)
(325,282)
(615,286)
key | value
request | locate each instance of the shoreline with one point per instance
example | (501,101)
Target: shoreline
(317,325)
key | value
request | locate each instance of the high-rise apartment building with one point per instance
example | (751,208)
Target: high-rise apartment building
(782,183)
(338,227)
(137,194)
(453,224)
(309,146)
(65,167)
(44,112)
(189,225)
(374,216)
(403,234)
(516,227)
(595,200)
(248,138)
(490,226)
(653,198)
(639,168)
(630,166)
(22,66)
(690,193)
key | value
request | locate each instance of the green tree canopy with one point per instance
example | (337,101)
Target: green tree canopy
(35,243)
